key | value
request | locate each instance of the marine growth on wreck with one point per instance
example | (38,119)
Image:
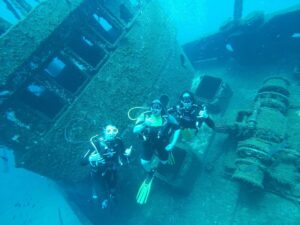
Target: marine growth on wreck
(78,77)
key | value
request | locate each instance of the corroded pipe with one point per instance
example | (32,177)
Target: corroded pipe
(274,94)
(253,159)
(267,123)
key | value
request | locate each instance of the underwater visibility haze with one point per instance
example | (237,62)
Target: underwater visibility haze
(149,112)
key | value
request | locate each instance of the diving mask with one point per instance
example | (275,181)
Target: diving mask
(110,132)
(187,102)
(156,108)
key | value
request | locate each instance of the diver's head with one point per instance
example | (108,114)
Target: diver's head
(110,132)
(156,107)
(187,99)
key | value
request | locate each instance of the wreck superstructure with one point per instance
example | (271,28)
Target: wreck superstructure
(71,67)
(67,74)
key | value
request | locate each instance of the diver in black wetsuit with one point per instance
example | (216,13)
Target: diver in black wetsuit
(159,132)
(189,114)
(107,155)
(156,129)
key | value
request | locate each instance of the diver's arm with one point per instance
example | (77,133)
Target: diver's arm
(204,117)
(175,137)
(210,123)
(172,110)
(173,142)
(94,147)
(121,151)
(140,124)
(139,128)
(176,127)
(95,159)
(92,156)
(85,158)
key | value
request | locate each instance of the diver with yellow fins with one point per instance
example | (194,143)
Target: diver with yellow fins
(159,132)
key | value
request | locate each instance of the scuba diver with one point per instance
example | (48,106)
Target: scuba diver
(159,132)
(189,114)
(106,156)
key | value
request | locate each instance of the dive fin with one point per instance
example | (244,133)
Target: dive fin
(171,159)
(144,191)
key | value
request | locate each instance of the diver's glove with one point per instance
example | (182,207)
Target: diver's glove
(95,159)
(203,113)
(169,147)
(128,151)
(126,156)
(104,204)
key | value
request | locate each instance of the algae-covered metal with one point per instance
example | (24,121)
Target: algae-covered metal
(266,149)
(66,74)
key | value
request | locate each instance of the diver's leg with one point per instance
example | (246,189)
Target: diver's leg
(163,154)
(95,184)
(210,123)
(146,165)
(146,157)
(112,183)
(105,188)
(110,186)
(145,188)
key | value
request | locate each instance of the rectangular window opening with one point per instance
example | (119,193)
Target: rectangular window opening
(64,73)
(105,28)
(86,49)
(38,97)
(123,10)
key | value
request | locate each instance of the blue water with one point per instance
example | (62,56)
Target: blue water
(194,19)
(30,199)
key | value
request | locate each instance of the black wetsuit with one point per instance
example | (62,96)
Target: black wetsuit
(104,176)
(189,118)
(155,139)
